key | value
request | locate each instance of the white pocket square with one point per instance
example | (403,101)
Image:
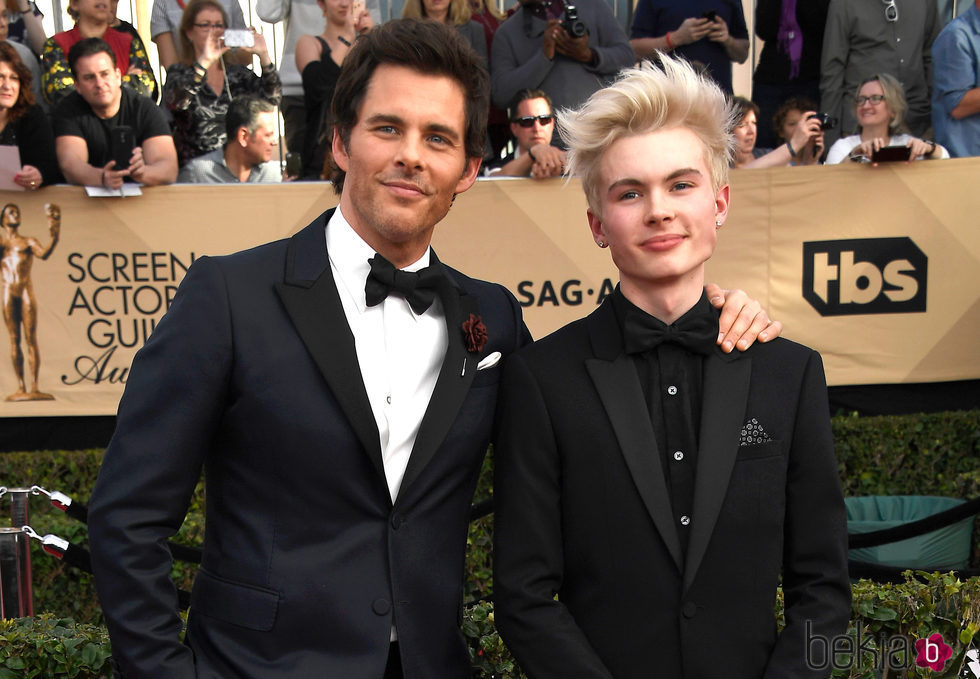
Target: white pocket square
(489,361)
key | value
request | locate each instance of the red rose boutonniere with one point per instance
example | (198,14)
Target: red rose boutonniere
(475,334)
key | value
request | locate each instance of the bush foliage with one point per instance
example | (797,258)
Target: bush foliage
(934,454)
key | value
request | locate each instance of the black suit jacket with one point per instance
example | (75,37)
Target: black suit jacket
(582,511)
(252,375)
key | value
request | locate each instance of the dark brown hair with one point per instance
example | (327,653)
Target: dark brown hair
(25,98)
(524,95)
(743,106)
(801,104)
(427,47)
(86,48)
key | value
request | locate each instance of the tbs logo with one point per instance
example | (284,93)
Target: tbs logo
(864,276)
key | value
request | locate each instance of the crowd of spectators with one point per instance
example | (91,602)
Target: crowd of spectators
(201,85)
(84,105)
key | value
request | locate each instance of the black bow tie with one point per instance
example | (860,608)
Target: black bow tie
(695,332)
(419,288)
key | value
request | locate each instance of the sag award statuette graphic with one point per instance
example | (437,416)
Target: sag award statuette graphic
(17,255)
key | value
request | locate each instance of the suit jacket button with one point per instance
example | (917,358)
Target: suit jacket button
(397,520)
(381,606)
(689,610)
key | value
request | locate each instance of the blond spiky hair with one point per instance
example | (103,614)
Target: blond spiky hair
(651,97)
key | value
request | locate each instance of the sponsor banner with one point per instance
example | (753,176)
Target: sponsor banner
(877,268)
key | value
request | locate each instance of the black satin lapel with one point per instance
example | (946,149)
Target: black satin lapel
(318,315)
(458,371)
(621,395)
(726,391)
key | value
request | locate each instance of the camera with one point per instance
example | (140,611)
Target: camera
(239,38)
(827,121)
(574,26)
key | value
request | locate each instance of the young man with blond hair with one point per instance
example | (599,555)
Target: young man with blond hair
(650,491)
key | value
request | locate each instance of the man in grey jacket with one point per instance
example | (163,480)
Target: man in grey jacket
(532,50)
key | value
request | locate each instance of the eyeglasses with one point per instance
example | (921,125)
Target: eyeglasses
(207,26)
(891,11)
(874,99)
(528,121)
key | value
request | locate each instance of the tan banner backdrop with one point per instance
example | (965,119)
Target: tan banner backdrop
(877,268)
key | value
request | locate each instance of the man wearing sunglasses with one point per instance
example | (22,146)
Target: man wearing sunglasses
(877,36)
(532,123)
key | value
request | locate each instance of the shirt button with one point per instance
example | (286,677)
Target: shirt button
(388,399)
(678,455)
(672,390)
(685,520)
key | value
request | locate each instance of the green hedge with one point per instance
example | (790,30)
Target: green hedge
(933,454)
(909,455)
(45,647)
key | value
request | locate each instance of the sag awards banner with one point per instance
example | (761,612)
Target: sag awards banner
(877,268)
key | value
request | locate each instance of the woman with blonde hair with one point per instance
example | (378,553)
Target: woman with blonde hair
(455,13)
(201,85)
(880,109)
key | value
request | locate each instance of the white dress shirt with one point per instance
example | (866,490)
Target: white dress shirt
(400,353)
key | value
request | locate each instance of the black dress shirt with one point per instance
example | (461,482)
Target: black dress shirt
(670,376)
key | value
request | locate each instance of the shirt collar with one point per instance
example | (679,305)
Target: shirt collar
(349,255)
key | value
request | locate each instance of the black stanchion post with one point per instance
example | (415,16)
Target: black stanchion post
(19,516)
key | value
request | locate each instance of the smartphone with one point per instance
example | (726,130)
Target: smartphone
(891,154)
(122,141)
(235,37)
(709,14)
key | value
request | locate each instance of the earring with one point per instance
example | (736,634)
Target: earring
(718,223)
(601,243)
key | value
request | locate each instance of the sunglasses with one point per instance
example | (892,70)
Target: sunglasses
(891,11)
(528,121)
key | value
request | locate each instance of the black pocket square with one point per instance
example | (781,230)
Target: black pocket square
(753,433)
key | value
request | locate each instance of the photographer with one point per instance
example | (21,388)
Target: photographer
(201,86)
(714,37)
(804,147)
(880,108)
(543,46)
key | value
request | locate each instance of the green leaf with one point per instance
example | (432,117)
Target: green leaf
(884,613)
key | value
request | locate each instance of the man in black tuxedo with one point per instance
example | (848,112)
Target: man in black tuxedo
(341,433)
(651,491)
(341,430)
